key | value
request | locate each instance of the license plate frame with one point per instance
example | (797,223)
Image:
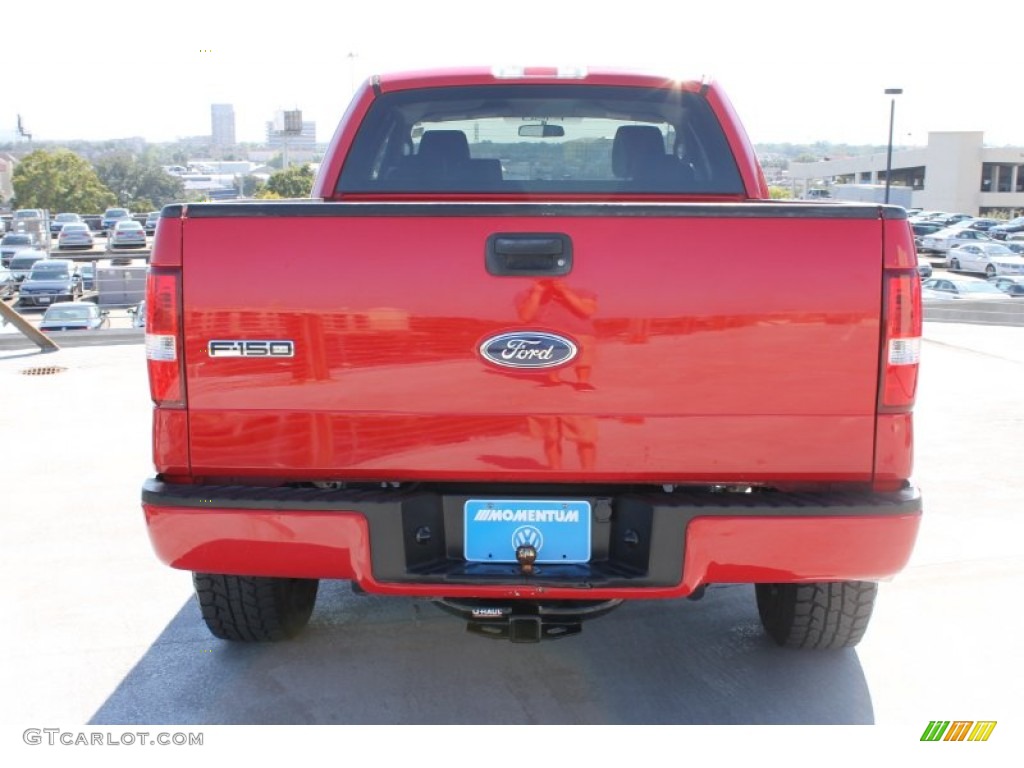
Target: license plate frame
(494,528)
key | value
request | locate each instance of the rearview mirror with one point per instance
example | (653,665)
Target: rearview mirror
(541,131)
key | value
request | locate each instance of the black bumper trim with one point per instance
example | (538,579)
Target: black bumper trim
(637,533)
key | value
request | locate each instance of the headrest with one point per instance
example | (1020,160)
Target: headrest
(632,146)
(444,145)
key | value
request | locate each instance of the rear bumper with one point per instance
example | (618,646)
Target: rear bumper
(647,545)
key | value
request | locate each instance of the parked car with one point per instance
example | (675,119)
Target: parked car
(8,285)
(823,446)
(57,222)
(25,215)
(960,288)
(817,194)
(1014,286)
(138,313)
(989,258)
(14,242)
(73,316)
(112,216)
(953,218)
(94,222)
(151,219)
(942,218)
(1002,231)
(984,224)
(88,273)
(75,235)
(126,234)
(944,239)
(924,267)
(922,228)
(51,281)
(23,262)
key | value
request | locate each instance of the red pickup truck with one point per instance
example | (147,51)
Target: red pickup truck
(539,343)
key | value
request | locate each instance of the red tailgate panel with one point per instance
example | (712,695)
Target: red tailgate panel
(731,349)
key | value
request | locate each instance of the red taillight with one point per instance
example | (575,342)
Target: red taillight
(901,348)
(163,338)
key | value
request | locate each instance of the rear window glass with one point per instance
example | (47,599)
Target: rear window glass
(54,265)
(69,313)
(540,139)
(48,273)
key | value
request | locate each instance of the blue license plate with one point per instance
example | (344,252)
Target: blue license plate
(558,530)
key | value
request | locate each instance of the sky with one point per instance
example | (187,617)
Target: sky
(796,71)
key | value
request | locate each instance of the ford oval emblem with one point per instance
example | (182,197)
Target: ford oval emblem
(528,349)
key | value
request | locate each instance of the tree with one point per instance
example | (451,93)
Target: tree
(296,181)
(139,183)
(59,181)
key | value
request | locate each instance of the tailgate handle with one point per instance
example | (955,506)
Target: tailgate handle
(521,254)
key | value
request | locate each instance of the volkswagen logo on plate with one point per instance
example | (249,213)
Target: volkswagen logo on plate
(527,536)
(528,349)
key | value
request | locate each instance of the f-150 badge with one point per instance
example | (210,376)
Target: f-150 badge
(250,348)
(528,349)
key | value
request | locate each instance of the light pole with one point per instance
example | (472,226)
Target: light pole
(894,92)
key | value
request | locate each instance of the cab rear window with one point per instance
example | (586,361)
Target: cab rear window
(540,139)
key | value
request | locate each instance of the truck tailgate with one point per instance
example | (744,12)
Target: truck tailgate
(717,343)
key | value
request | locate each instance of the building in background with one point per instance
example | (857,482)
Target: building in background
(304,142)
(953,172)
(222,117)
(6,177)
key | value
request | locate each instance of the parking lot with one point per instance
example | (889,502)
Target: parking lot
(104,634)
(110,297)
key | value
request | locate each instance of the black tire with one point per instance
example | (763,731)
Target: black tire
(990,271)
(822,615)
(254,608)
(954,264)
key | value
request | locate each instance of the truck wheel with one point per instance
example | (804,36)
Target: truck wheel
(254,608)
(821,615)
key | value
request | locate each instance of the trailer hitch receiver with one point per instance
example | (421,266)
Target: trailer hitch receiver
(526,621)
